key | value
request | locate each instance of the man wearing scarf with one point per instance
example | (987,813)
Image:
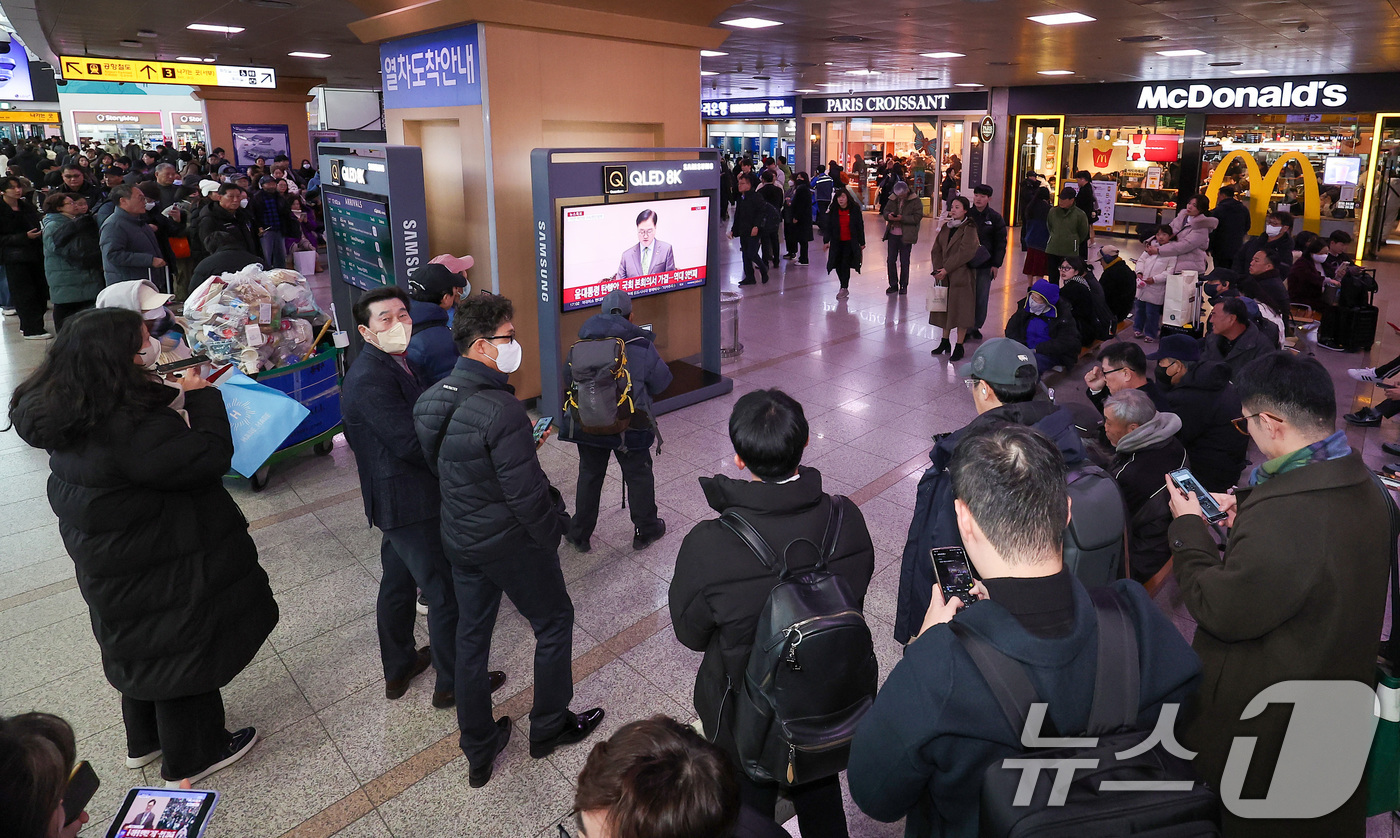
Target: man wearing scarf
(1300,591)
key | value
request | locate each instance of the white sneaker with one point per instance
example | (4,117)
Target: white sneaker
(141,762)
(40,336)
(1365,374)
(8,312)
(239,745)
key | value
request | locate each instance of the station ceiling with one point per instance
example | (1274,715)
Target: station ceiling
(822,46)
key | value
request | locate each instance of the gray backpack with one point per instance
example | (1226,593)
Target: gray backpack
(599,398)
(1095,537)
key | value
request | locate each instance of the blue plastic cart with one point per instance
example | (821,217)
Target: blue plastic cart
(315,383)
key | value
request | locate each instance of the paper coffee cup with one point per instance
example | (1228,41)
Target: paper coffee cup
(341,339)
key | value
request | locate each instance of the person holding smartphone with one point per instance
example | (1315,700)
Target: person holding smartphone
(37,756)
(1301,591)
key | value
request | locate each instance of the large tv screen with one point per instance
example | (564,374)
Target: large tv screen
(642,247)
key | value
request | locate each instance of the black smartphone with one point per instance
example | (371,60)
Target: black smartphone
(163,813)
(176,366)
(1187,482)
(82,785)
(542,426)
(954,574)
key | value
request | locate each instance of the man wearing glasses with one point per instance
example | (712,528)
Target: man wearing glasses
(1122,366)
(1301,590)
(501,525)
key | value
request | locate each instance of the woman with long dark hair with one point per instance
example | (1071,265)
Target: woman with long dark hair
(22,253)
(845,231)
(163,558)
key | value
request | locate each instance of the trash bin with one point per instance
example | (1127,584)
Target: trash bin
(729,345)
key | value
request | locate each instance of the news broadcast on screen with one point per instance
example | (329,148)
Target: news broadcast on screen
(159,813)
(642,247)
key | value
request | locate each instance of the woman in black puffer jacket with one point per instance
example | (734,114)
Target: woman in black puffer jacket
(178,601)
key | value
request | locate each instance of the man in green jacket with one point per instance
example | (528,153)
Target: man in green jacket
(1300,593)
(1069,227)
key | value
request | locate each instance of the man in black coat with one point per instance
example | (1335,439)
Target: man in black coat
(1276,240)
(748,229)
(1145,447)
(226,225)
(935,726)
(501,525)
(720,586)
(771,192)
(1201,395)
(1088,203)
(401,498)
(991,234)
(1119,282)
(1121,365)
(1228,236)
(75,183)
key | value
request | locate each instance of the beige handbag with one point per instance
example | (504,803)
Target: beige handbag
(937,298)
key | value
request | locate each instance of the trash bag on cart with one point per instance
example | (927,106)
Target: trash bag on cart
(257,319)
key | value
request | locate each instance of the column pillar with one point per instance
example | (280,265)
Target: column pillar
(286,105)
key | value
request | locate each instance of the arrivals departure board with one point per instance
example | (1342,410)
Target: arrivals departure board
(360,233)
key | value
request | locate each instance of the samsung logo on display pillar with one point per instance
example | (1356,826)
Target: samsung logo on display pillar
(1201,96)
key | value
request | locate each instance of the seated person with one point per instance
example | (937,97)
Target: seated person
(1337,244)
(1305,280)
(658,778)
(1145,447)
(1261,283)
(1076,290)
(1202,397)
(1234,339)
(37,754)
(1276,240)
(921,751)
(720,586)
(1119,282)
(1046,324)
(1120,366)
(1004,382)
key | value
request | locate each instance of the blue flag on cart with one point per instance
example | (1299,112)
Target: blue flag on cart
(262,418)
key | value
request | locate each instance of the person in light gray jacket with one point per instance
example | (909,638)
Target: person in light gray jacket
(129,247)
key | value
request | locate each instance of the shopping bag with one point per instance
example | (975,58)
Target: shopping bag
(180,246)
(305,261)
(937,298)
(261,418)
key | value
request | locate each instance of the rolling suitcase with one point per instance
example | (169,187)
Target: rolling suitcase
(1350,329)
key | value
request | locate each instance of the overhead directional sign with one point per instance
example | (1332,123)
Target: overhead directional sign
(88,68)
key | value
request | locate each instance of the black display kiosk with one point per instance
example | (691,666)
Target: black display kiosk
(564,178)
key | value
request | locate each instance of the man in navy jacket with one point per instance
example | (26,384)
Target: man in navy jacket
(935,726)
(401,498)
(435,290)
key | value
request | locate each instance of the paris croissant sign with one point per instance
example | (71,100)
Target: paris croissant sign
(88,68)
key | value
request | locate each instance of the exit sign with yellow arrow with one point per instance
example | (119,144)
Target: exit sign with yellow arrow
(87,68)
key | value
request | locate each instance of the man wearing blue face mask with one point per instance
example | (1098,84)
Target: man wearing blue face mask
(501,526)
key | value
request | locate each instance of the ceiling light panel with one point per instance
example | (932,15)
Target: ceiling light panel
(751,23)
(1061,19)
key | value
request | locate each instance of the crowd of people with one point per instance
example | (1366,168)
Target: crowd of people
(73,221)
(1289,586)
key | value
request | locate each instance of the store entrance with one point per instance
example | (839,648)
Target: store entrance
(1384,233)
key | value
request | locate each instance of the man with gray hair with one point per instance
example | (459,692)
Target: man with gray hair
(171,189)
(1145,448)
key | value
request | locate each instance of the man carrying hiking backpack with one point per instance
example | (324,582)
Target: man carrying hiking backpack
(922,751)
(647,375)
(723,595)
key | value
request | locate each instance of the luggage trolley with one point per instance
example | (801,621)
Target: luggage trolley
(315,384)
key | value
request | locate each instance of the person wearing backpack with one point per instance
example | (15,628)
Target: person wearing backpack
(1005,388)
(937,727)
(720,595)
(648,376)
(435,290)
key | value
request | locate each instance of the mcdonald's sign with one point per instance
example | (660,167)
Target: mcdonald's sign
(1261,187)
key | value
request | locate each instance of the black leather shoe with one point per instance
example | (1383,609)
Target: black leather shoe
(575,731)
(903,290)
(441,700)
(396,688)
(479,776)
(581,545)
(957,353)
(1391,448)
(892,290)
(642,542)
(942,347)
(974,334)
(747,282)
(1366,417)
(496,679)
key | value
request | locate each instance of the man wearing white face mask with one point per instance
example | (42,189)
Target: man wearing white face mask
(401,498)
(129,247)
(501,526)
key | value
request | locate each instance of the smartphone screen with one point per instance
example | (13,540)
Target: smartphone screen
(82,785)
(542,426)
(163,813)
(954,574)
(1188,483)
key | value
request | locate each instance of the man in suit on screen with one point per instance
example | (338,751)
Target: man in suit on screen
(648,255)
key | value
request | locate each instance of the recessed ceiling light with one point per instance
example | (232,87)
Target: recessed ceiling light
(1057,72)
(862,72)
(1249,72)
(708,73)
(309,54)
(145,33)
(804,90)
(941,54)
(709,53)
(1140,39)
(751,23)
(928,78)
(129,43)
(1061,19)
(209,27)
(748,88)
(762,78)
(847,39)
(190,58)
(829,84)
(1179,53)
(969,84)
(1226,63)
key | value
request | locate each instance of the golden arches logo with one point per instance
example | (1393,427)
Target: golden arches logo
(1261,188)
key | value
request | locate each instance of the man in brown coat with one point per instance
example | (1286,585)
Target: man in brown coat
(1301,591)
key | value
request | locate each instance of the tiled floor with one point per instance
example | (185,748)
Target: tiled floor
(336,758)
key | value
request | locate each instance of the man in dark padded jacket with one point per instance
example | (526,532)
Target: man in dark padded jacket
(501,525)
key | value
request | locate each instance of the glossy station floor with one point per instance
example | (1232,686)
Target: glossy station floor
(336,758)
